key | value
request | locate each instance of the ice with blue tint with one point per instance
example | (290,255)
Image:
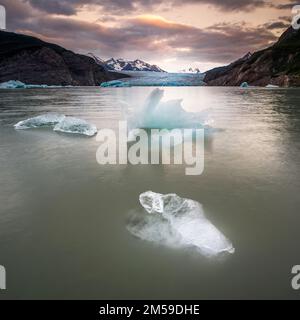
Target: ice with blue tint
(44,120)
(244,85)
(155,113)
(12,84)
(177,222)
(76,126)
(58,122)
(115,84)
(15,84)
(156,79)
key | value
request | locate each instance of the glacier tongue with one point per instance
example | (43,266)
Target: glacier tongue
(44,120)
(178,222)
(76,126)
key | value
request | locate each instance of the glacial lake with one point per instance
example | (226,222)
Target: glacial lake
(63,217)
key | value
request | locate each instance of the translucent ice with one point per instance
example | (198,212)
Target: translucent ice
(12,84)
(15,84)
(59,122)
(76,126)
(178,222)
(164,115)
(244,85)
(44,120)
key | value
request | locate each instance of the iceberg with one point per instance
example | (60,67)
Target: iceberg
(272,86)
(15,84)
(244,85)
(44,120)
(12,84)
(58,122)
(76,126)
(177,222)
(155,114)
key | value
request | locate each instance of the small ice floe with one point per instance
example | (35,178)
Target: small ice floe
(15,84)
(58,122)
(44,120)
(272,86)
(244,85)
(12,84)
(177,222)
(76,126)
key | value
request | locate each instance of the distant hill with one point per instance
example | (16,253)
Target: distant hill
(33,61)
(277,65)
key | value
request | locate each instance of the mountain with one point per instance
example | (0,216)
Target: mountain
(126,65)
(276,65)
(33,61)
(190,70)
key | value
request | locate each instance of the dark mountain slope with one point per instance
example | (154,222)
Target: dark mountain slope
(277,65)
(34,61)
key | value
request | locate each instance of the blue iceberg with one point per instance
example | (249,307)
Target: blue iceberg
(158,114)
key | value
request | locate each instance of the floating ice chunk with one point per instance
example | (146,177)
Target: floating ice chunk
(244,85)
(178,222)
(76,126)
(165,115)
(272,86)
(12,84)
(15,84)
(44,120)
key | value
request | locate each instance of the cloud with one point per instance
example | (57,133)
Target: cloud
(150,36)
(147,37)
(276,25)
(123,7)
(285,6)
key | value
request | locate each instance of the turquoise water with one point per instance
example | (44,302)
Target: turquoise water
(63,216)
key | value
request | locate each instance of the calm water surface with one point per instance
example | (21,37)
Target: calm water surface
(63,216)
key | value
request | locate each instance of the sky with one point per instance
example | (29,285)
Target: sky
(174,34)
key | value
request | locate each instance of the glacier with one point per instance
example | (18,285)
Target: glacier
(177,222)
(158,114)
(58,122)
(157,79)
(76,126)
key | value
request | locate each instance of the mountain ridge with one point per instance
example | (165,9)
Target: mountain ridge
(131,65)
(34,61)
(278,65)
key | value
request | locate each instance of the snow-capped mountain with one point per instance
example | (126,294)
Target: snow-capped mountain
(190,70)
(136,65)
